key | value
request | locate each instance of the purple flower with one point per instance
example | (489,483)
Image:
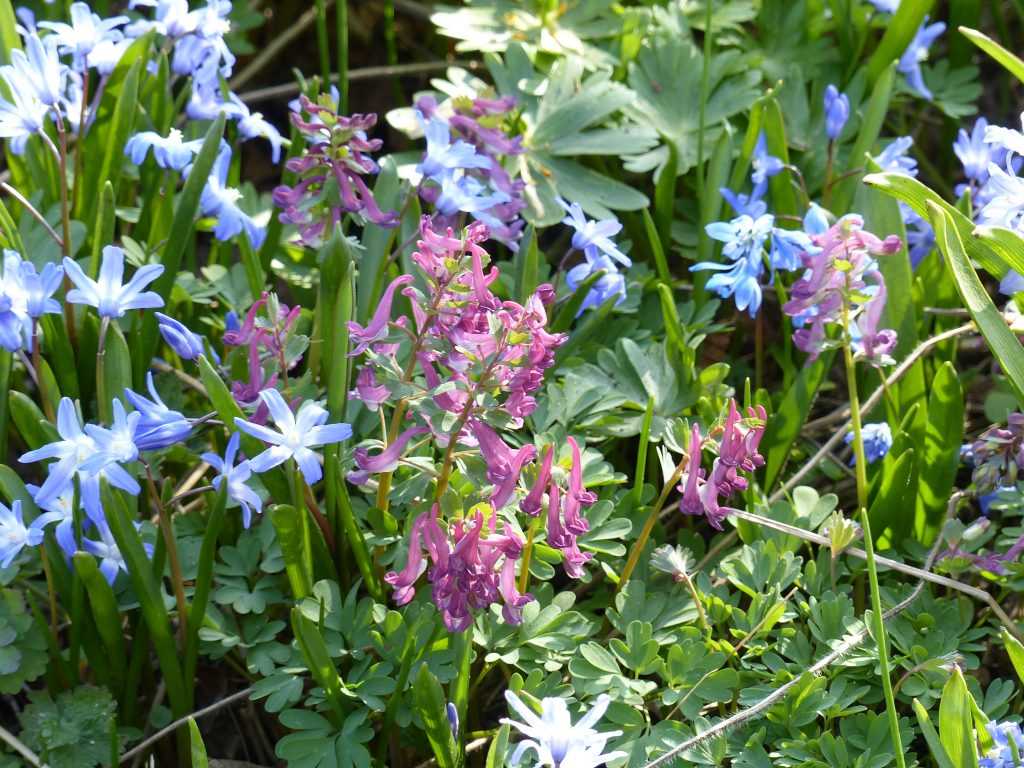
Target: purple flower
(868,341)
(503,465)
(533,502)
(837,112)
(385,461)
(377,329)
(368,391)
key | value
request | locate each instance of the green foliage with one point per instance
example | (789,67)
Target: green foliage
(22,644)
(71,730)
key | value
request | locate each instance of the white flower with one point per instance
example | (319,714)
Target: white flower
(557,742)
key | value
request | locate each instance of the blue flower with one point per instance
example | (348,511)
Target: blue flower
(590,235)
(110,296)
(252,125)
(765,166)
(920,235)
(115,445)
(15,535)
(23,116)
(159,427)
(84,33)
(555,739)
(877,441)
(837,112)
(787,246)
(234,476)
(106,55)
(171,152)
(187,344)
(462,193)
(816,220)
(894,158)
(1005,205)
(886,6)
(1001,754)
(744,239)
(74,447)
(221,202)
(745,205)
(39,68)
(976,151)
(298,434)
(611,283)
(106,549)
(917,53)
(61,510)
(442,153)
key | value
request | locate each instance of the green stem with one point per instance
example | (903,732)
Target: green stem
(652,518)
(103,405)
(322,43)
(342,29)
(524,565)
(869,548)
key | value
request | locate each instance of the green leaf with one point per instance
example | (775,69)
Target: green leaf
(10,40)
(956,730)
(203,583)
(931,737)
(318,660)
(74,730)
(429,701)
(571,307)
(657,245)
(499,746)
(1004,243)
(940,453)
(197,749)
(116,371)
(1015,650)
(1001,340)
(892,508)
(32,425)
(22,644)
(105,612)
(527,264)
(870,129)
(293,534)
(1013,64)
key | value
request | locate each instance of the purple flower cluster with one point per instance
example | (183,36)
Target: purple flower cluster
(331,171)
(475,362)
(477,124)
(736,446)
(998,455)
(841,270)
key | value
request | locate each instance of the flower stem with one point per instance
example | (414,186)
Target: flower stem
(878,628)
(524,567)
(177,580)
(701,616)
(652,518)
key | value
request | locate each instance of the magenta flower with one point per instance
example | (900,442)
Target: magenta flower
(386,460)
(368,391)
(563,539)
(871,343)
(503,465)
(533,503)
(377,330)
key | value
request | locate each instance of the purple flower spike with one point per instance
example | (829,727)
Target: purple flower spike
(368,391)
(377,330)
(534,501)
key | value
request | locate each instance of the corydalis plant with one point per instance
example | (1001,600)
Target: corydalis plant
(470,366)
(331,171)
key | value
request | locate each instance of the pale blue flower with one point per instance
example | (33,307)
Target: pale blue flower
(555,740)
(877,441)
(159,427)
(172,18)
(917,53)
(442,153)
(61,509)
(593,234)
(252,125)
(764,165)
(886,6)
(611,283)
(106,549)
(894,158)
(787,247)
(744,239)
(745,205)
(235,476)
(837,112)
(920,235)
(116,444)
(110,295)
(15,535)
(816,220)
(976,151)
(1005,206)
(221,202)
(39,68)
(298,434)
(84,33)
(171,152)
(460,193)
(106,55)
(1001,755)
(24,115)
(74,447)
(187,344)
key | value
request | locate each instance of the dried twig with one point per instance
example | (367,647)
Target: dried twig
(12,741)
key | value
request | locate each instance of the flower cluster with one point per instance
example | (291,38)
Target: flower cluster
(331,171)
(841,271)
(877,441)
(745,237)
(25,296)
(594,240)
(998,455)
(735,444)
(1002,754)
(478,183)
(474,363)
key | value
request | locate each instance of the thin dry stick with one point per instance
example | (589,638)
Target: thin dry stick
(191,381)
(276,46)
(876,396)
(33,212)
(143,746)
(364,73)
(12,741)
(845,647)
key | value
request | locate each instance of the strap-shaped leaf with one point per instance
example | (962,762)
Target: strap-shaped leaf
(105,613)
(1010,61)
(1001,340)
(956,719)
(932,737)
(428,698)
